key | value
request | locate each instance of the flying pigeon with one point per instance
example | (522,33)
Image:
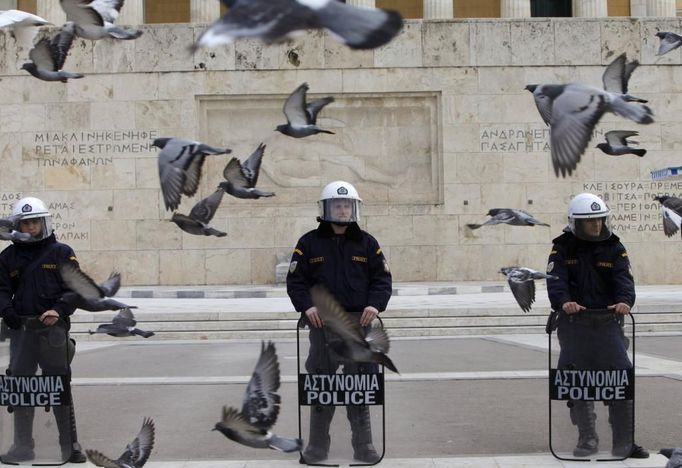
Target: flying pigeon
(48,57)
(123,324)
(669,41)
(573,110)
(617,144)
(260,408)
(8,231)
(24,25)
(87,295)
(674,456)
(671,209)
(302,117)
(356,346)
(522,284)
(241,178)
(136,453)
(94,19)
(509,216)
(202,213)
(180,163)
(276,20)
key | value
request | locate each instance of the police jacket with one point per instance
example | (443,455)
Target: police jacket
(593,274)
(350,265)
(30,282)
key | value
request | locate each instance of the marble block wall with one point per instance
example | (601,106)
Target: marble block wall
(434,128)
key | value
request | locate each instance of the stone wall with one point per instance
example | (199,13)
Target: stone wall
(434,129)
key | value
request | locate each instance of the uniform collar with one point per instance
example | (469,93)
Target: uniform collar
(353,232)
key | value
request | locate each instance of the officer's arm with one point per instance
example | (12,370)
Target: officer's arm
(624,283)
(6,292)
(298,278)
(558,289)
(66,255)
(380,279)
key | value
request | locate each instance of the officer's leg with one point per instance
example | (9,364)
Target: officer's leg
(319,362)
(621,414)
(360,420)
(583,416)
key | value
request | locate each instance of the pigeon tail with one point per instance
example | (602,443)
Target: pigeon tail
(386,361)
(285,445)
(638,112)
(639,152)
(123,34)
(630,98)
(320,130)
(474,226)
(142,333)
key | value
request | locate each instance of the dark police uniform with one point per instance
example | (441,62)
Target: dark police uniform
(595,275)
(30,284)
(354,269)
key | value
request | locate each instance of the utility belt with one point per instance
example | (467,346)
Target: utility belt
(593,318)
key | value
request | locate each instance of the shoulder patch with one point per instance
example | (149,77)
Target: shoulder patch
(624,254)
(298,251)
(550,267)
(386,267)
(379,251)
(292,266)
(73,257)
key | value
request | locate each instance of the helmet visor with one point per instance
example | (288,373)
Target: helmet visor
(39,227)
(591,229)
(340,210)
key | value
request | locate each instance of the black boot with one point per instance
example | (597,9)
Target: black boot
(361,425)
(318,442)
(621,418)
(583,416)
(68,438)
(22,448)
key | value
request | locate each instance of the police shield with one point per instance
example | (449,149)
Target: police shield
(329,384)
(35,394)
(591,385)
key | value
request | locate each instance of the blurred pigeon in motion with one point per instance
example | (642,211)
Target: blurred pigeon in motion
(180,163)
(87,295)
(8,231)
(241,178)
(260,408)
(302,117)
(671,209)
(669,41)
(202,213)
(277,20)
(674,456)
(136,453)
(122,325)
(617,75)
(94,19)
(356,346)
(617,144)
(24,25)
(573,110)
(509,216)
(522,284)
(48,57)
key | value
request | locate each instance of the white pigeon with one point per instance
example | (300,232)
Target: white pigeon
(94,19)
(24,26)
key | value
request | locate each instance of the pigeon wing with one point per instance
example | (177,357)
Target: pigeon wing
(20,19)
(675,204)
(41,55)
(141,447)
(670,227)
(235,421)
(234,173)
(314,108)
(524,293)
(669,41)
(251,166)
(614,77)
(295,107)
(334,317)
(80,283)
(544,105)
(108,9)
(100,459)
(261,401)
(82,12)
(377,338)
(111,285)
(124,318)
(193,173)
(206,208)
(172,180)
(619,137)
(575,113)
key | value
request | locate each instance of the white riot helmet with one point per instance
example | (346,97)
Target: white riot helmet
(586,206)
(32,208)
(339,203)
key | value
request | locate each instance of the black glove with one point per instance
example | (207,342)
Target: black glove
(11,319)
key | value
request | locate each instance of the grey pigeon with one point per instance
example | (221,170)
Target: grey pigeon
(277,20)
(355,345)
(669,41)
(674,456)
(573,110)
(522,283)
(509,216)
(24,25)
(671,209)
(136,453)
(48,57)
(202,213)
(617,75)
(87,295)
(617,143)
(302,117)
(94,19)
(241,179)
(260,408)
(122,325)
(180,163)
(8,231)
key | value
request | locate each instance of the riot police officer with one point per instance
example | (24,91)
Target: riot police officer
(350,263)
(30,292)
(593,272)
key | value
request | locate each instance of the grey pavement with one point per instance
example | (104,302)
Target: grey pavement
(465,401)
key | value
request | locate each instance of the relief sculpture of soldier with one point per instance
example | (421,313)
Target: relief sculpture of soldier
(350,264)
(592,271)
